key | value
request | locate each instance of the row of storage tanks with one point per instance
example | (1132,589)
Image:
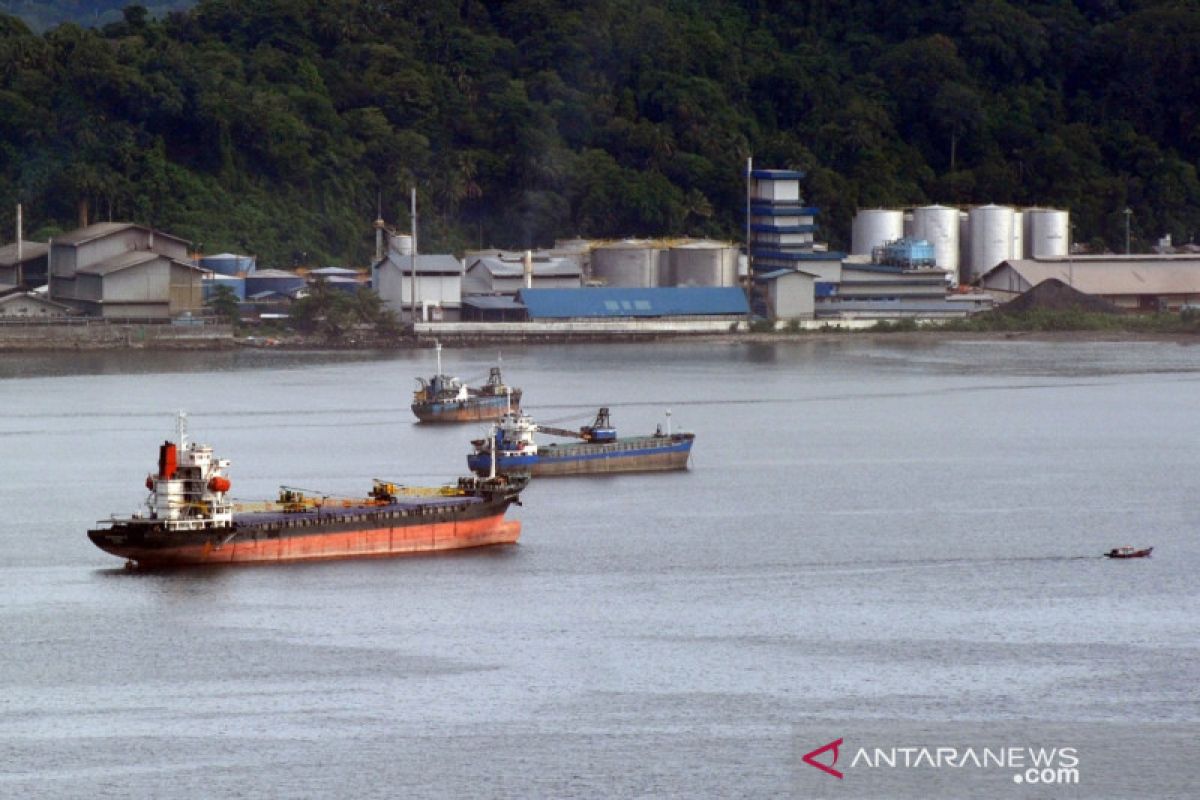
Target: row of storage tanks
(647,263)
(967,243)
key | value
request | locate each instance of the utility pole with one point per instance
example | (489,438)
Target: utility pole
(749,255)
(412,275)
(1128,214)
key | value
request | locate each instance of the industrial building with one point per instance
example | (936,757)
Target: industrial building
(495,276)
(782,228)
(788,295)
(31,306)
(123,270)
(438,284)
(24,263)
(709,302)
(1132,283)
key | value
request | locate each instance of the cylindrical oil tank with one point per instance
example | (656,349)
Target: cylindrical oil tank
(908,225)
(228,264)
(938,225)
(991,237)
(702,263)
(236,284)
(1046,231)
(272,280)
(629,263)
(875,227)
(578,251)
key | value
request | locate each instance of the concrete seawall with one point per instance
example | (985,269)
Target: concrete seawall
(102,335)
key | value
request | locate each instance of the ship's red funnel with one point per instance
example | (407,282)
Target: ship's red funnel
(166,460)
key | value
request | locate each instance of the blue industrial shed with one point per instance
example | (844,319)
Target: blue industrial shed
(691,301)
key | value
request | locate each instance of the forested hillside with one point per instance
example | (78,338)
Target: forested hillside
(43,14)
(272,126)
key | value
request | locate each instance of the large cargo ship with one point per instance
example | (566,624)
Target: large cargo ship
(189,518)
(443,398)
(515,451)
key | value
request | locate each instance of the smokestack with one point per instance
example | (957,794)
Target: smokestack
(528,269)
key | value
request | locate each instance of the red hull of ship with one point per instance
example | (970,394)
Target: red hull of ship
(367,543)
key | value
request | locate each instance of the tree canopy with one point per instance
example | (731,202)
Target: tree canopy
(274,127)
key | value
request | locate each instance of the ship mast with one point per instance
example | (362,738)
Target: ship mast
(438,346)
(181,430)
(495,431)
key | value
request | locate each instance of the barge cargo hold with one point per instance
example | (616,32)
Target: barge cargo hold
(444,398)
(189,519)
(600,451)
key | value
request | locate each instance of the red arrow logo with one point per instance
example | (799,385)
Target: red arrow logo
(810,758)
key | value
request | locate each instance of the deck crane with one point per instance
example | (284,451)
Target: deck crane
(601,429)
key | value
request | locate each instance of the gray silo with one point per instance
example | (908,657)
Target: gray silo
(702,263)
(991,237)
(632,263)
(875,227)
(1046,232)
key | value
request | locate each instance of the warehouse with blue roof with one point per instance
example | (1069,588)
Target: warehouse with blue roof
(693,302)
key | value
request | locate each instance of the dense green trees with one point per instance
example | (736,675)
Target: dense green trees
(272,126)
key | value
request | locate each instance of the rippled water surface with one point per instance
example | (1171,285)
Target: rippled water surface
(870,532)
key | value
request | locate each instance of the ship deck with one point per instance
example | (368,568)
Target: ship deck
(333,513)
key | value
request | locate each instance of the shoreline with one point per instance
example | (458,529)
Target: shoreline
(294,342)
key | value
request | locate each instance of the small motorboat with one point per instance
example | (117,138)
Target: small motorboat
(1129,552)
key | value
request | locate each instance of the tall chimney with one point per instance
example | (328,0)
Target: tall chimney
(528,269)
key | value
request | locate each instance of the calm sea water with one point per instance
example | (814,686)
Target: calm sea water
(878,537)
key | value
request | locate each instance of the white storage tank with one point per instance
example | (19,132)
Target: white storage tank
(938,225)
(1046,232)
(401,244)
(702,263)
(875,227)
(991,237)
(1018,240)
(631,263)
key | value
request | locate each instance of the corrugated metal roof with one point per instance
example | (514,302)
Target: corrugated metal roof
(800,255)
(1118,275)
(659,302)
(29,251)
(102,229)
(274,273)
(131,259)
(9,298)
(426,265)
(333,271)
(779,273)
(555,267)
